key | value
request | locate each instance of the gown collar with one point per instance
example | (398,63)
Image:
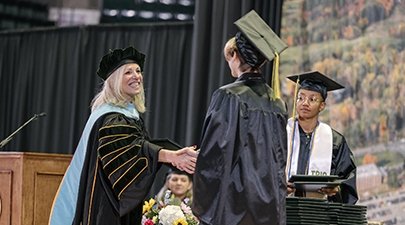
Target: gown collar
(251,77)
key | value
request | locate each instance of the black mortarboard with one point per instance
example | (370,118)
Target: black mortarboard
(318,78)
(174,170)
(118,57)
(264,40)
(260,35)
(316,81)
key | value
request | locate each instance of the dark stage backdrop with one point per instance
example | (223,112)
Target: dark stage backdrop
(54,71)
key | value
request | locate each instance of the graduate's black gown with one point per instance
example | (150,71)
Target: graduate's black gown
(118,172)
(240,172)
(342,165)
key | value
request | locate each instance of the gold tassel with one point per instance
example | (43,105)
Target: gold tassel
(294,113)
(275,80)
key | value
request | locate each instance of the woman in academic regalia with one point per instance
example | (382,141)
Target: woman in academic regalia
(114,165)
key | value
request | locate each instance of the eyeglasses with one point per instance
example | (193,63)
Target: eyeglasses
(311,100)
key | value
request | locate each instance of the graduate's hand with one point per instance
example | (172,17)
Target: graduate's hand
(290,188)
(329,191)
(185,159)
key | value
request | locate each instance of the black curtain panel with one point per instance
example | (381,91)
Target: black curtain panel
(213,26)
(54,71)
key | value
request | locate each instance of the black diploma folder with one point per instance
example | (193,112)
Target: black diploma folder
(314,183)
(166,143)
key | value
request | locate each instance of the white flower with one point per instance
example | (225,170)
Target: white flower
(169,214)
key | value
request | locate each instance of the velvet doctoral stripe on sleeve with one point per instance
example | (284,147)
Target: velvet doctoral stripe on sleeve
(120,167)
(128,160)
(69,201)
(120,157)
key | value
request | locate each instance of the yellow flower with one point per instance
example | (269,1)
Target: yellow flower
(155,219)
(180,221)
(148,205)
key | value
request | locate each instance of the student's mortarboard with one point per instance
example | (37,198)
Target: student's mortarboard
(118,57)
(316,81)
(317,78)
(260,35)
(263,39)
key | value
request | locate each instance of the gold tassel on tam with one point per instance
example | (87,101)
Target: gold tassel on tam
(275,80)
(295,98)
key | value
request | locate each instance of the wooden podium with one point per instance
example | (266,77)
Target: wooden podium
(28,184)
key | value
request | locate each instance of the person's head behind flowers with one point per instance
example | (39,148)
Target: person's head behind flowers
(178,185)
(172,205)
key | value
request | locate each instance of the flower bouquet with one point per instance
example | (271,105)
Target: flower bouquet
(169,211)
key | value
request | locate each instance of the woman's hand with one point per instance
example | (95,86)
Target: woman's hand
(185,159)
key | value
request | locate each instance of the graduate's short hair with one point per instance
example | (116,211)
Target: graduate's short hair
(230,48)
(250,54)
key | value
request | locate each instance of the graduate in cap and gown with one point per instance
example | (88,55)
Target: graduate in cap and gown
(240,172)
(314,148)
(115,163)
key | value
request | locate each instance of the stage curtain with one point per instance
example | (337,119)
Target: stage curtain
(54,71)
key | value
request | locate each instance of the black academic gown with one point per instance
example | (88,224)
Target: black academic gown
(342,165)
(117,174)
(240,171)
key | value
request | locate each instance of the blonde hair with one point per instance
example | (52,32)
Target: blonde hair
(230,49)
(112,93)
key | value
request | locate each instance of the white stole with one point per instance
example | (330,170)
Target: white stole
(321,149)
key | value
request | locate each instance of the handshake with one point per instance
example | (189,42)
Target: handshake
(184,159)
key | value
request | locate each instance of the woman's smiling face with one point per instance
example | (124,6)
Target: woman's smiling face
(132,80)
